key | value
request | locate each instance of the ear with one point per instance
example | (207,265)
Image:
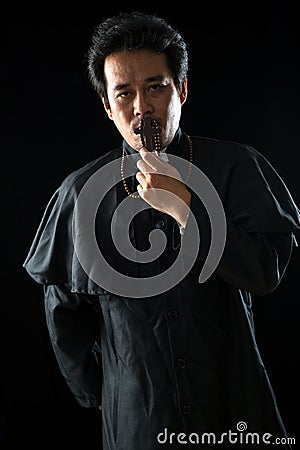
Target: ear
(184,91)
(107,108)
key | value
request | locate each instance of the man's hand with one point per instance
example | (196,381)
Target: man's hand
(162,187)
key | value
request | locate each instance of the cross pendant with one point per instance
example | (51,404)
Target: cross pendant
(149,131)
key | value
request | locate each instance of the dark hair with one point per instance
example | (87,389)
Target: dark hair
(133,31)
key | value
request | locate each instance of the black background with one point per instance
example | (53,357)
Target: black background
(243,85)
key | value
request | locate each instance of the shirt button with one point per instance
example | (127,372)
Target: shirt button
(160,224)
(181,363)
(173,314)
(186,409)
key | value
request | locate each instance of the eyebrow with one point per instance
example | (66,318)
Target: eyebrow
(120,86)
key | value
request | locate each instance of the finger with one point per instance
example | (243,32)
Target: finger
(152,160)
(141,179)
(144,167)
(140,190)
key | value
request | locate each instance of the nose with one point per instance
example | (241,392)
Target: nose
(142,104)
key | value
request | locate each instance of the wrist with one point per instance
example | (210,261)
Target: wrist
(183,209)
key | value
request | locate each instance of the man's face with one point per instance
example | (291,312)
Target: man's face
(139,83)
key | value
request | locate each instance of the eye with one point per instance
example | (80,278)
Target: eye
(156,87)
(123,94)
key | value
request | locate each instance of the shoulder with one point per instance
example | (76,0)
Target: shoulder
(215,155)
(225,149)
(76,179)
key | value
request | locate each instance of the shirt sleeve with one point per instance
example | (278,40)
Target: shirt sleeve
(74,323)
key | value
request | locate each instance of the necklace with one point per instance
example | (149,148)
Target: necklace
(134,194)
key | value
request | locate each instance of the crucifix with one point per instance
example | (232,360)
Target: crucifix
(149,131)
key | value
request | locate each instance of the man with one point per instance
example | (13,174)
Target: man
(169,356)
